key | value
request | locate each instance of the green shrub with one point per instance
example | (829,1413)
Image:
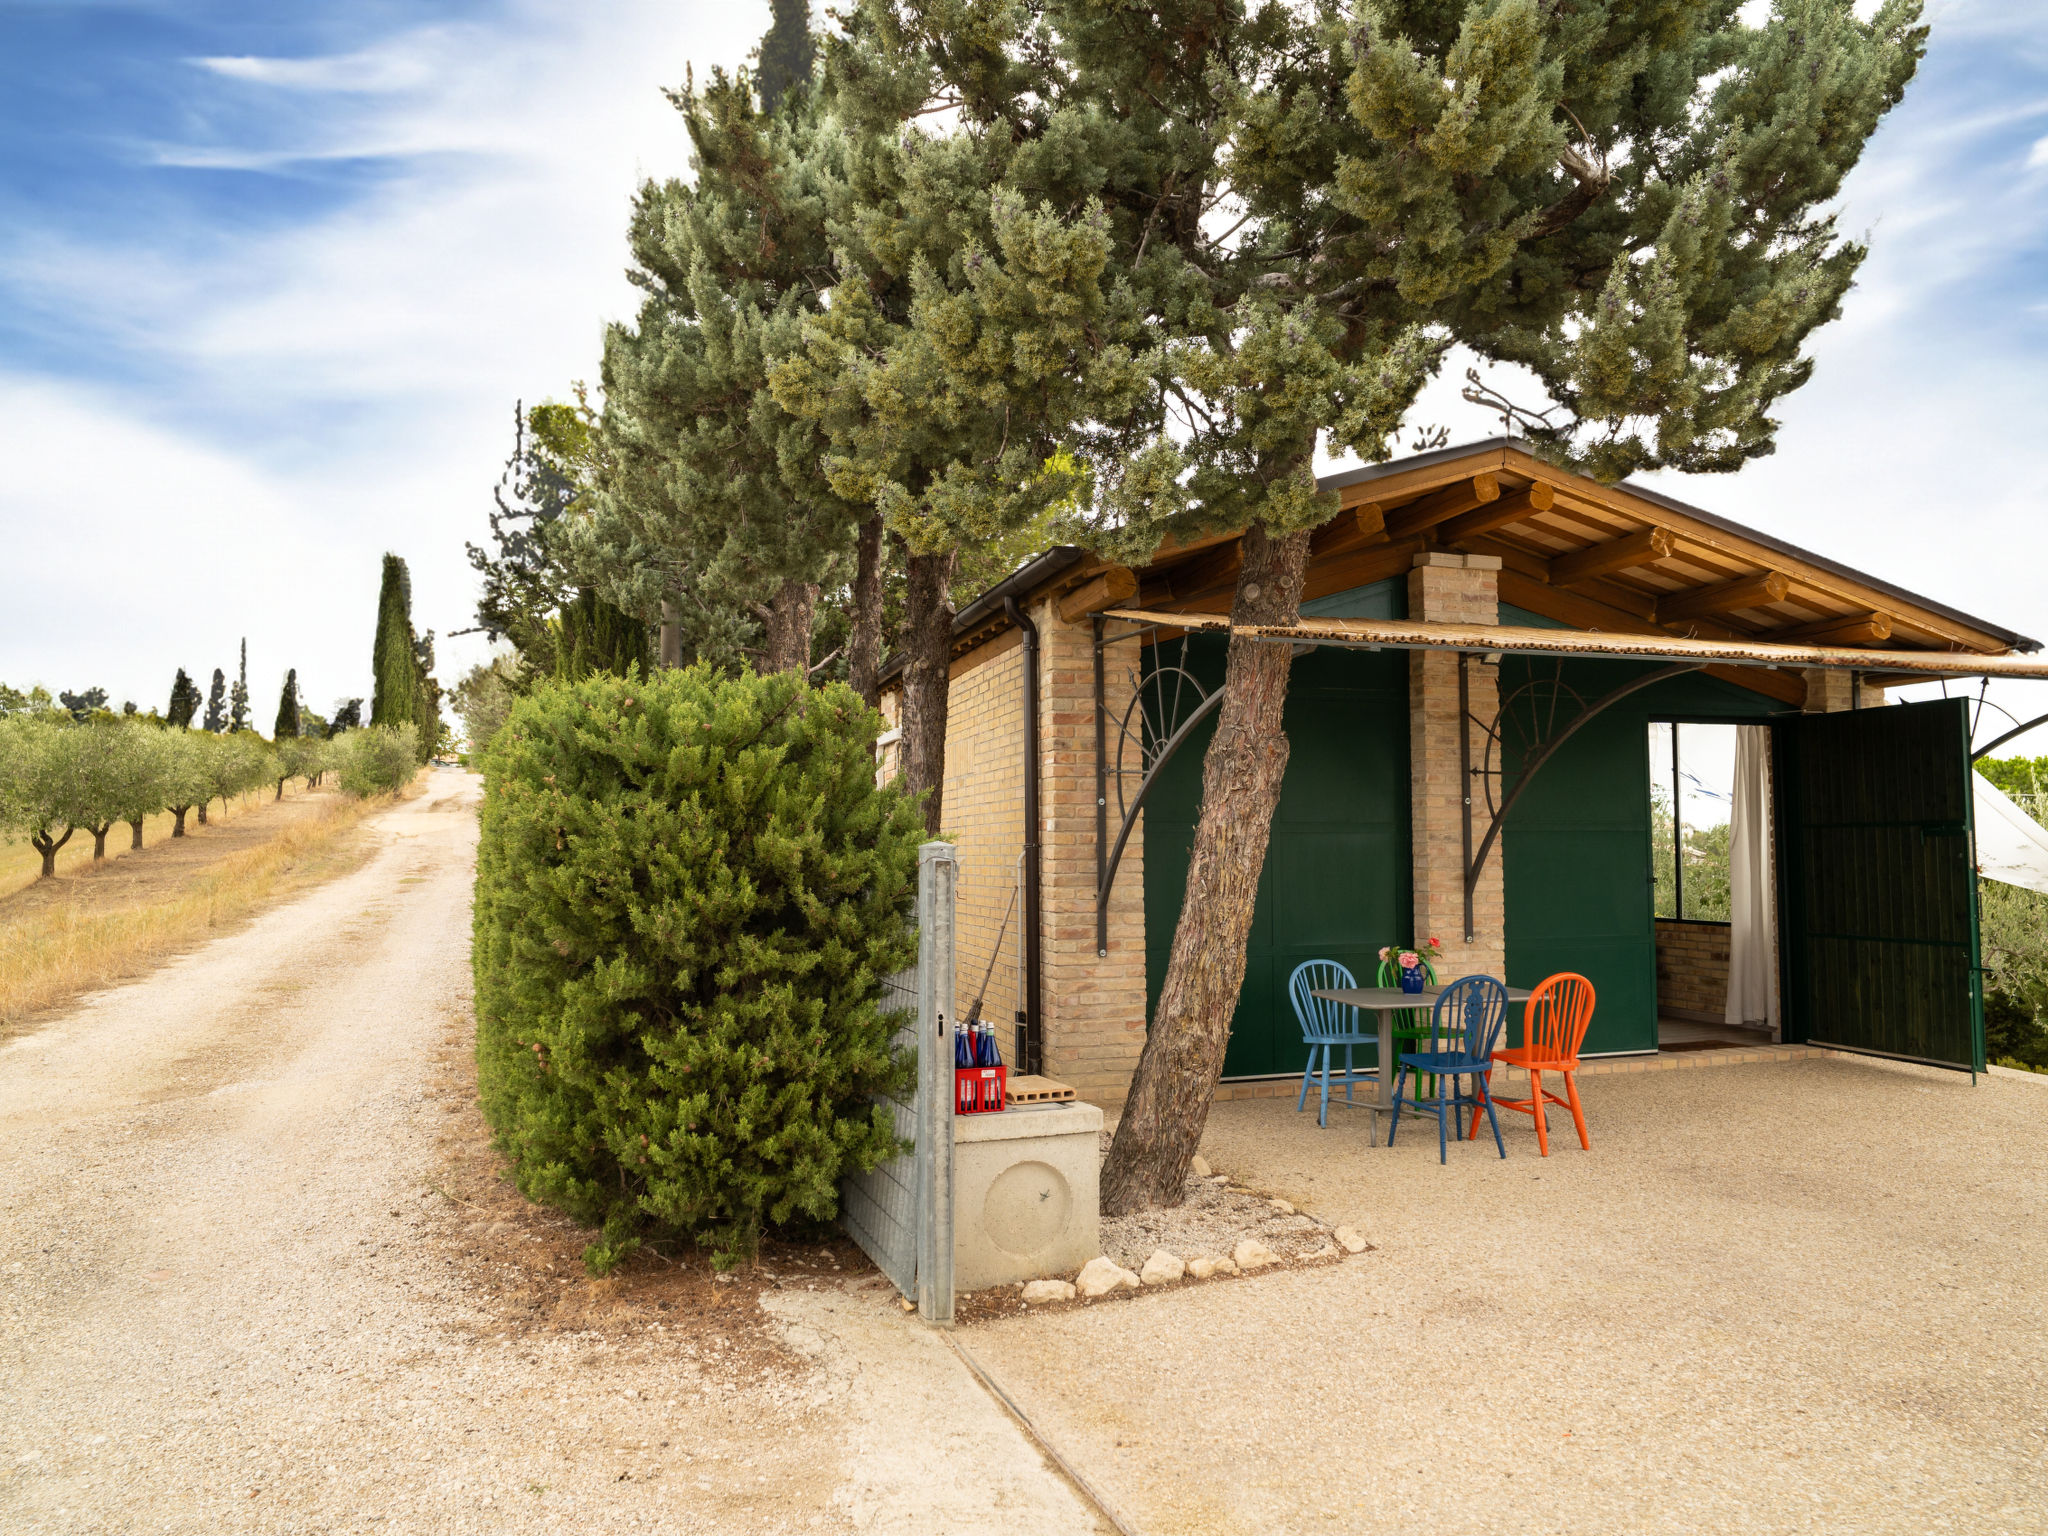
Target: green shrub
(688,890)
(377,760)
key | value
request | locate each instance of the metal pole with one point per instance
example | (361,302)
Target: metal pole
(937,876)
(1101,799)
(1677,832)
(1465,775)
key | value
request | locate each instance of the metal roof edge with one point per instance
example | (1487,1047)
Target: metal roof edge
(2012,638)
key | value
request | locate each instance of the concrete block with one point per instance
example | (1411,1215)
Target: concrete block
(1026,1201)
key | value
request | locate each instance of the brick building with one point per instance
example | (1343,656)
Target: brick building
(1484,640)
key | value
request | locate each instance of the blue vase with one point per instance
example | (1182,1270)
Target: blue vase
(1411,980)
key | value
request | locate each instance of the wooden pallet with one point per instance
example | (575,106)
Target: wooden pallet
(1039,1090)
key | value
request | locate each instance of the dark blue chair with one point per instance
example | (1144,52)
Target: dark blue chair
(1464,1029)
(1325,1026)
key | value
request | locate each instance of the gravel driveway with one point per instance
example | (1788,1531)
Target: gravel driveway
(230,1300)
(1772,1298)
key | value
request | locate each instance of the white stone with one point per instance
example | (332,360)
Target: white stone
(1037,1291)
(1162,1268)
(1199,1166)
(1283,1207)
(1350,1240)
(1100,1276)
(1253,1254)
(1202,1269)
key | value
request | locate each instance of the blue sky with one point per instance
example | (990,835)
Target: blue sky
(272,276)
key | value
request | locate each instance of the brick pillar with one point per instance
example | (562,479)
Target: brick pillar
(1461,589)
(1829,692)
(1093,1005)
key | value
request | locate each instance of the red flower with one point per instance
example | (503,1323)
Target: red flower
(1436,943)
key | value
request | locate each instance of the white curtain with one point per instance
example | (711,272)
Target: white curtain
(2011,845)
(1752,911)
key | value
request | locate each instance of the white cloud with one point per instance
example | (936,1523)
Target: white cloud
(323,392)
(2038,155)
(374,71)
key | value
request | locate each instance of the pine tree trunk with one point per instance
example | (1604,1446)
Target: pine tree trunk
(136,828)
(671,643)
(786,630)
(864,639)
(1241,776)
(928,658)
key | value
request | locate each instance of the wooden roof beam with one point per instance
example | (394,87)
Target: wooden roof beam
(1352,528)
(1515,507)
(1441,506)
(1724,597)
(1106,589)
(1622,554)
(1845,629)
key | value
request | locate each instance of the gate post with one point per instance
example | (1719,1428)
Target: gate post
(937,875)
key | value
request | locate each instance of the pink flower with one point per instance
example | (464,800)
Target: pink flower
(1410,960)
(1384,951)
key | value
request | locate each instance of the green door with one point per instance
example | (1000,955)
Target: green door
(1878,882)
(1336,882)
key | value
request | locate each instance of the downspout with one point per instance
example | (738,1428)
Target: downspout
(1031,1039)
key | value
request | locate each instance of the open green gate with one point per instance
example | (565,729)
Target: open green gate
(1878,883)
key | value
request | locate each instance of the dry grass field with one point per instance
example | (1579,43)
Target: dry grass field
(94,925)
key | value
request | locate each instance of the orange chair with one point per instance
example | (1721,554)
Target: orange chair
(1554,1023)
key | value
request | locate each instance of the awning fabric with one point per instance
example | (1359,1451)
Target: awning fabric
(1432,635)
(2011,846)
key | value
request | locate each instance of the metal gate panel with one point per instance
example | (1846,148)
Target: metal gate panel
(1879,883)
(901,1211)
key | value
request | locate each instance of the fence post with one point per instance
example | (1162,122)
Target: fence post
(937,873)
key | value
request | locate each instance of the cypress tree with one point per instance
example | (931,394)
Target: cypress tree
(786,54)
(217,703)
(394,668)
(597,637)
(287,708)
(238,696)
(184,701)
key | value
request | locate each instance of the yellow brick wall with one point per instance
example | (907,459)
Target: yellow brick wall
(983,815)
(1094,1004)
(1692,970)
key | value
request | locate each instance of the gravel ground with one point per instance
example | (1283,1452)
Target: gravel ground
(1771,1299)
(231,1298)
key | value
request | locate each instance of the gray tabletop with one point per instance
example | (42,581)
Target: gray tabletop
(1386,1002)
(1378,998)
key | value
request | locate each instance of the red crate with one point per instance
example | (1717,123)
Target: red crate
(980,1090)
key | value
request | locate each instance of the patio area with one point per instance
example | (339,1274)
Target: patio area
(1775,1298)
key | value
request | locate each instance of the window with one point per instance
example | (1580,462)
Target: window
(1692,791)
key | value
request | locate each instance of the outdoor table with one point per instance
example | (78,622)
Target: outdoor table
(1386,1002)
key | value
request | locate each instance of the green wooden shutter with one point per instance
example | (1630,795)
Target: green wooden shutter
(1878,884)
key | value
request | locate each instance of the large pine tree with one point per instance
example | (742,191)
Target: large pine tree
(1302,208)
(713,503)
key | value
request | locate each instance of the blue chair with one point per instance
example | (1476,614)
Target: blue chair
(1464,1029)
(1325,1026)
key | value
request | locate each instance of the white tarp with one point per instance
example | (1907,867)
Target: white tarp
(2011,846)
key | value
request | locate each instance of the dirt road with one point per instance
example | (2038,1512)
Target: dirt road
(228,1299)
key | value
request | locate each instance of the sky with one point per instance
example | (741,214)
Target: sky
(272,278)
